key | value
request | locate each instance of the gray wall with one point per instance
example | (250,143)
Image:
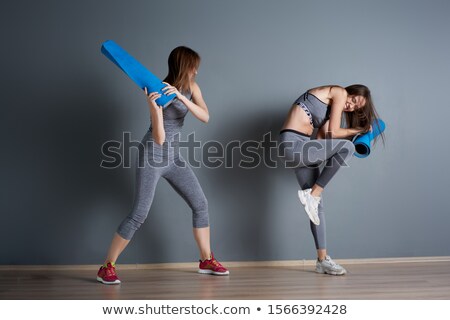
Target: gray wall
(61,100)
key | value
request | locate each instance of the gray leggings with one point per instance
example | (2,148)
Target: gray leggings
(180,176)
(305,156)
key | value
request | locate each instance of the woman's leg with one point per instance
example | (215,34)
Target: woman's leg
(202,237)
(181,177)
(146,180)
(118,244)
(183,180)
(334,152)
(306,177)
(309,155)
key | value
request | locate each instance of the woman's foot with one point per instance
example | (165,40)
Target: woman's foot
(311,204)
(328,266)
(212,266)
(107,274)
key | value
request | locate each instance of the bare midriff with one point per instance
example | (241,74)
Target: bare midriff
(298,120)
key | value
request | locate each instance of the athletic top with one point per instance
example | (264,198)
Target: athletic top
(173,117)
(317,111)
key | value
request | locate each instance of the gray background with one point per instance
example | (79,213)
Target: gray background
(61,100)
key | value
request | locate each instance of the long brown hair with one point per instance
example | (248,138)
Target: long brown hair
(182,60)
(365,116)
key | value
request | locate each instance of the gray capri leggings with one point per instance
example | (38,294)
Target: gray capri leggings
(179,175)
(305,156)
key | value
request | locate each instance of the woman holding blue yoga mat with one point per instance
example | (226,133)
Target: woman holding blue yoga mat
(322,108)
(161,158)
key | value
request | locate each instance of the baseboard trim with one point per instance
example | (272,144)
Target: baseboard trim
(229,264)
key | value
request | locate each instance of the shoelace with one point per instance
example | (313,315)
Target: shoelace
(110,271)
(216,263)
(332,263)
(315,199)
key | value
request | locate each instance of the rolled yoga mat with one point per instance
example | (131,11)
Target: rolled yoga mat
(136,71)
(363,142)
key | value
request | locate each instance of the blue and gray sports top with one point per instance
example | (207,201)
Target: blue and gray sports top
(317,111)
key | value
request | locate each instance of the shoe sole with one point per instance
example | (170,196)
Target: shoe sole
(215,273)
(331,273)
(301,197)
(106,282)
(310,216)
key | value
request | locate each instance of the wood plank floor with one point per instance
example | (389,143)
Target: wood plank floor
(410,280)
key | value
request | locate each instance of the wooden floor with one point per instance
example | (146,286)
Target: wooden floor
(408,280)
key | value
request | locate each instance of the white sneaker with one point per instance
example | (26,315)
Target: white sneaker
(328,266)
(311,204)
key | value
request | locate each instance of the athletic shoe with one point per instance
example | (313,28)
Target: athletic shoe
(328,266)
(311,204)
(212,266)
(107,275)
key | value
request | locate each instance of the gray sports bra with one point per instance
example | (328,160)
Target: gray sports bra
(173,116)
(317,111)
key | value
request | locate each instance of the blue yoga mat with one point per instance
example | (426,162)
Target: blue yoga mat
(363,142)
(136,71)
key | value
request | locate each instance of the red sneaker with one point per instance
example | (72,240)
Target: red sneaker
(107,275)
(212,266)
